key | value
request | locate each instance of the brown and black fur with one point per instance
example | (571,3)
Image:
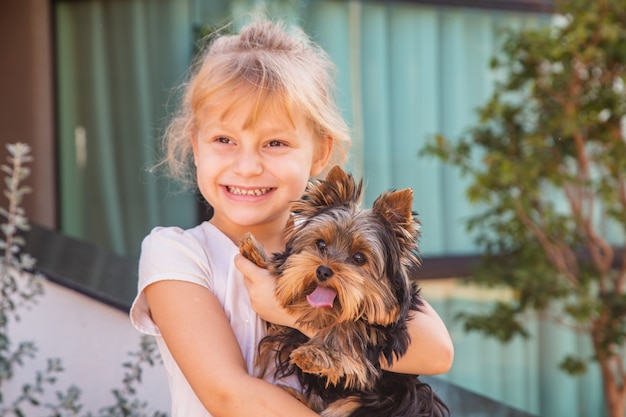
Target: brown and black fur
(366,256)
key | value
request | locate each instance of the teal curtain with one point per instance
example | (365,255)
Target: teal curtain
(405,72)
(524,372)
(117,64)
(408,72)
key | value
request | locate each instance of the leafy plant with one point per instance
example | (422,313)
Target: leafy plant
(21,287)
(126,402)
(547,162)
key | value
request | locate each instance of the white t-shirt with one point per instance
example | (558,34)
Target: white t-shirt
(202,255)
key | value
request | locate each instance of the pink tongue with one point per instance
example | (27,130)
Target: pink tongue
(322,297)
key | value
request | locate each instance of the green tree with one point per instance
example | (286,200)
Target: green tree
(547,162)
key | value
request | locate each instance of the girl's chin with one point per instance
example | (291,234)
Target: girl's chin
(244,220)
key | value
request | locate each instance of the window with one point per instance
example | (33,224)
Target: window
(406,71)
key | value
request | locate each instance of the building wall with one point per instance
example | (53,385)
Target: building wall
(93,341)
(26,97)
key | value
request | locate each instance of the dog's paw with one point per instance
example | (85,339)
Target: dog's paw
(312,360)
(342,370)
(251,249)
(345,370)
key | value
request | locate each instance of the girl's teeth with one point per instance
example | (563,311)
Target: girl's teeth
(257,192)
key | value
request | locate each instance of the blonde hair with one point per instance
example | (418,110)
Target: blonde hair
(270,65)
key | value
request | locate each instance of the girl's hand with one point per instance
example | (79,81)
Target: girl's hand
(261,286)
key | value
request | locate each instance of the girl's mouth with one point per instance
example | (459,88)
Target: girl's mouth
(248,192)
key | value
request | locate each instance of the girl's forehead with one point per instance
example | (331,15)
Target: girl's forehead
(250,107)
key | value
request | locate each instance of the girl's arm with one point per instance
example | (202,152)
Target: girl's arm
(199,337)
(431,351)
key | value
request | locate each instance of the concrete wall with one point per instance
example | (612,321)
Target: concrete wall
(93,341)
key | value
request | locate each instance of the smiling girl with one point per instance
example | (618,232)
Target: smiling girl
(257,121)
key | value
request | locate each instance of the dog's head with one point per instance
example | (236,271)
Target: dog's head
(345,263)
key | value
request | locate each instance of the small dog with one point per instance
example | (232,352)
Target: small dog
(347,274)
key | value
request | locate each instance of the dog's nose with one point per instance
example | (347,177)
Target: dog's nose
(323,273)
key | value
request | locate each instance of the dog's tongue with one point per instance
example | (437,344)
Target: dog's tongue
(322,297)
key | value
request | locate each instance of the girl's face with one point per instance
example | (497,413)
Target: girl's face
(251,172)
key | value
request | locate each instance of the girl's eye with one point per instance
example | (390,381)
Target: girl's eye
(358,258)
(275,143)
(321,245)
(222,139)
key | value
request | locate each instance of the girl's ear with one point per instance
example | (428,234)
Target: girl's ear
(323,151)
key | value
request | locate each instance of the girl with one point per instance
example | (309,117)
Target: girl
(257,121)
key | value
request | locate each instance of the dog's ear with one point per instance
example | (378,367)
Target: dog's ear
(396,206)
(337,175)
(337,189)
(340,188)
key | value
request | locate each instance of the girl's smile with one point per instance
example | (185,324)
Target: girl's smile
(257,192)
(248,194)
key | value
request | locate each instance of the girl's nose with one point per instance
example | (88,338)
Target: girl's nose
(248,163)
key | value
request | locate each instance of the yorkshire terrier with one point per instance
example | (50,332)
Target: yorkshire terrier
(347,273)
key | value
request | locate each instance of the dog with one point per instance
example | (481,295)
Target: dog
(347,273)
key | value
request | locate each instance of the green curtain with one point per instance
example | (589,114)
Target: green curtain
(408,72)
(524,372)
(405,72)
(117,64)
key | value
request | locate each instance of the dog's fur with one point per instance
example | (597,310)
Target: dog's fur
(368,258)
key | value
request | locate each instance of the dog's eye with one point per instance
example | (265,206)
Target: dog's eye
(321,245)
(358,258)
